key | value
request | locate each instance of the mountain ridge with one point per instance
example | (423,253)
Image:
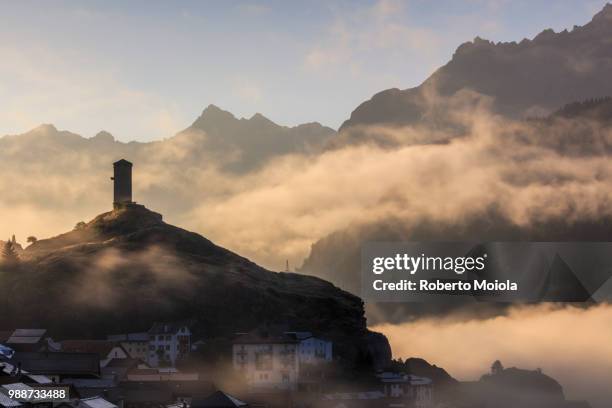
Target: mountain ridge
(532,77)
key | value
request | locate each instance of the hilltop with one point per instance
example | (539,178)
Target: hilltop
(127,268)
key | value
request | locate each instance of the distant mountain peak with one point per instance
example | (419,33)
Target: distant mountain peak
(212,108)
(213,114)
(45,128)
(103,136)
(259,118)
(258,115)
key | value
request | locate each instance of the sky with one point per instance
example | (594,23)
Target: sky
(144,70)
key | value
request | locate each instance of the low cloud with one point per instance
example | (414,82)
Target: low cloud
(529,173)
(569,344)
(149,273)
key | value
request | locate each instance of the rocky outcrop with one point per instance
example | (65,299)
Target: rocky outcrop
(127,268)
(514,387)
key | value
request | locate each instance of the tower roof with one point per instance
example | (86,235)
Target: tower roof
(122,162)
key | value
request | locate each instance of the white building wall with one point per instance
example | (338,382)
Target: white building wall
(137,349)
(169,346)
(315,351)
(270,366)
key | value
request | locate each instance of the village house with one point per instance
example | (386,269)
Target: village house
(267,360)
(106,350)
(417,389)
(57,366)
(276,360)
(136,344)
(312,350)
(168,342)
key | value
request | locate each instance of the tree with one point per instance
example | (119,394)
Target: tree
(9,255)
(79,225)
(32,239)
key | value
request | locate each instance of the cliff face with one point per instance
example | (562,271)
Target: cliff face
(528,78)
(127,268)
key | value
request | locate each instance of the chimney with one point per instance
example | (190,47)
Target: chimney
(122,183)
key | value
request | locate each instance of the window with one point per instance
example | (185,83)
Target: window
(263,360)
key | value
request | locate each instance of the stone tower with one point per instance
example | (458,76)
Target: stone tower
(122,183)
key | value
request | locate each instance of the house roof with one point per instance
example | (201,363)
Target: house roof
(129,337)
(164,392)
(262,336)
(122,162)
(96,402)
(100,347)
(26,336)
(90,382)
(392,377)
(58,363)
(16,386)
(29,332)
(40,379)
(218,399)
(5,401)
(300,335)
(166,328)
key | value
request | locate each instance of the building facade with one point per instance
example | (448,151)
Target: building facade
(136,344)
(312,350)
(168,343)
(267,361)
(418,390)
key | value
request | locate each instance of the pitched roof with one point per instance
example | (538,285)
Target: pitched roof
(60,363)
(29,332)
(166,328)
(95,402)
(122,162)
(5,401)
(26,336)
(262,336)
(101,347)
(129,337)
(218,399)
